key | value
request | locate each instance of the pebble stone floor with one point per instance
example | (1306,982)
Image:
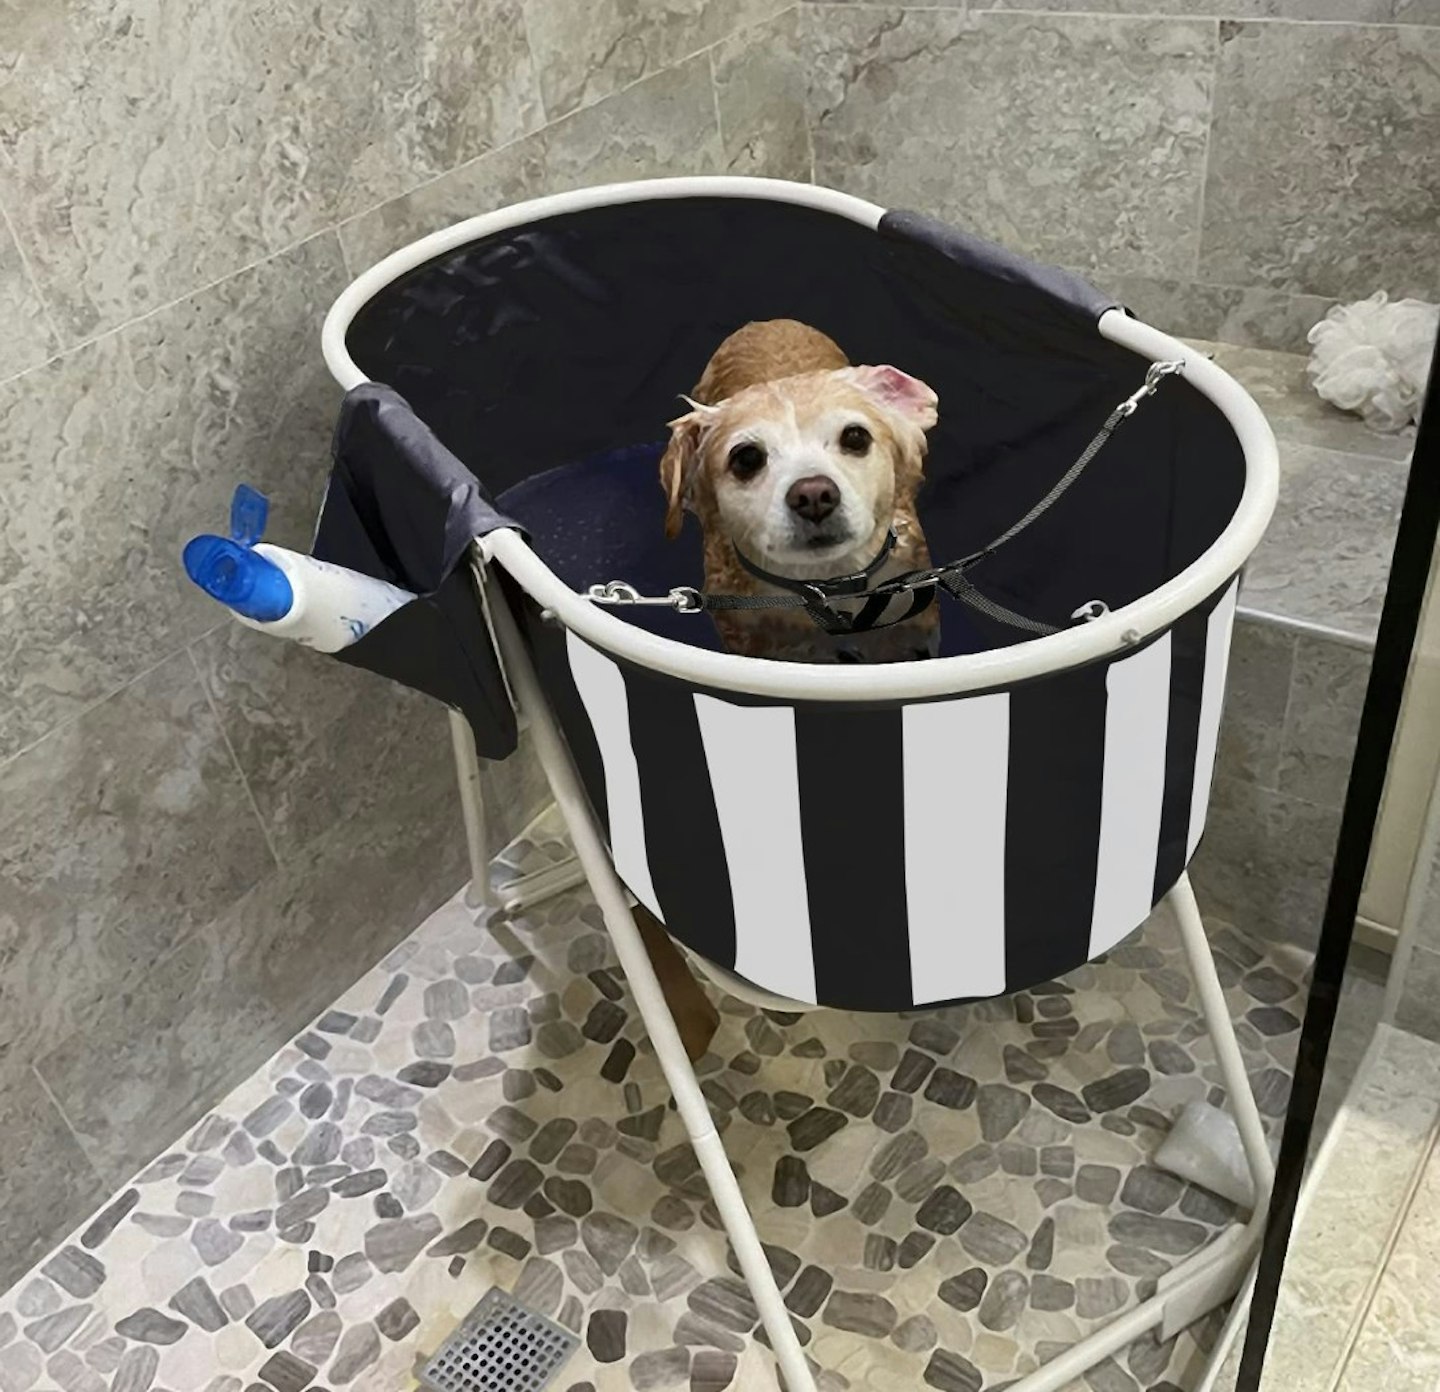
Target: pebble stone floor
(947,1197)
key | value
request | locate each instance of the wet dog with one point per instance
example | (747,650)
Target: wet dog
(803,465)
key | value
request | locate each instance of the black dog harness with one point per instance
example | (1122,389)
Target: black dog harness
(816,597)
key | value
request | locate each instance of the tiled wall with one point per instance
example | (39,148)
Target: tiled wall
(1291,716)
(1230,175)
(205,835)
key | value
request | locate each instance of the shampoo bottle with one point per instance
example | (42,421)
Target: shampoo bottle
(320,606)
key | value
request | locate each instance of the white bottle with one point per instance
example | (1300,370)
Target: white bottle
(319,605)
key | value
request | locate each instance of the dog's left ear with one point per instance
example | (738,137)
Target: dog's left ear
(898,391)
(678,463)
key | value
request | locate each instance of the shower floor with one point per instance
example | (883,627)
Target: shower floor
(948,1196)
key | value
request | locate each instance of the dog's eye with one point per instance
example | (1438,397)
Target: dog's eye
(746,460)
(855,439)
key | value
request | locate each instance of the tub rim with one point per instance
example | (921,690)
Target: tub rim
(1115,632)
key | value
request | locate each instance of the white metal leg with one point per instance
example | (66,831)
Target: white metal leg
(1192,1289)
(1206,1280)
(1227,1047)
(512,899)
(610,895)
(518,895)
(472,804)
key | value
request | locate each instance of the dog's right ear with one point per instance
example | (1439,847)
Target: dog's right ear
(679,462)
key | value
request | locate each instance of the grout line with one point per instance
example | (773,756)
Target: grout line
(1203,195)
(80,1141)
(41,298)
(117,329)
(109,695)
(234,758)
(1285,728)
(535,73)
(715,102)
(1176,14)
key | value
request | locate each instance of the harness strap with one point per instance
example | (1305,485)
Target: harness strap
(815,596)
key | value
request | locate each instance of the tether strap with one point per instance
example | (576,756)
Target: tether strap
(815,596)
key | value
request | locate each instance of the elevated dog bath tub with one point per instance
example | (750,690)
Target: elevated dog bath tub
(868,837)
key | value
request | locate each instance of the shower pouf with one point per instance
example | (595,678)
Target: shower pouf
(1373,357)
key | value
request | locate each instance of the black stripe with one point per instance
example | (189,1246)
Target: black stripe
(552,665)
(682,828)
(1052,824)
(1187,688)
(852,824)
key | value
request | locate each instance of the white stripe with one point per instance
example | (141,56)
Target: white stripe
(1212,703)
(957,763)
(1137,717)
(602,691)
(750,751)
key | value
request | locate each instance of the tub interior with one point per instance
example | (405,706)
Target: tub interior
(549,356)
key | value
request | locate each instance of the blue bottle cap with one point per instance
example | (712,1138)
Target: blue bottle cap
(239,578)
(249,510)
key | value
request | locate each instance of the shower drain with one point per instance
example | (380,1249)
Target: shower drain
(500,1347)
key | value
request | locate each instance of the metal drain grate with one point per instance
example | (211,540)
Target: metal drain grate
(500,1347)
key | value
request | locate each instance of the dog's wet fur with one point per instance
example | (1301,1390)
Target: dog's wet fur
(804,463)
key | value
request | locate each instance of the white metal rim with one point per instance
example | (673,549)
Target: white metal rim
(1074,647)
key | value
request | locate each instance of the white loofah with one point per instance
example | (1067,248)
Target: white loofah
(1373,357)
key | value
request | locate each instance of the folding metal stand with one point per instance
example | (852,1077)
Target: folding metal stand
(1190,1290)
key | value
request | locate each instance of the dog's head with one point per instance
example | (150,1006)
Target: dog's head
(799,471)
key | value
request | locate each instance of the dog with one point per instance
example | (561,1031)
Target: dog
(803,464)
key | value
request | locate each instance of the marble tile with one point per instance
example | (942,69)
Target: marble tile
(151,1061)
(1398,1346)
(28,339)
(1419,1007)
(1417,11)
(760,93)
(1339,1243)
(114,455)
(317,741)
(1075,139)
(1264,862)
(1362,1003)
(1281,389)
(1356,214)
(119,834)
(49,1185)
(1257,692)
(584,53)
(1326,556)
(1323,718)
(662,126)
(1252,316)
(155,153)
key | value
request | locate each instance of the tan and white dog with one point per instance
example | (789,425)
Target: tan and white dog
(804,464)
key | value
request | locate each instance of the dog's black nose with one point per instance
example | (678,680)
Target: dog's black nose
(814,498)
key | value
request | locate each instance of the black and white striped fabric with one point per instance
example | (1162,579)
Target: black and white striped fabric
(884,856)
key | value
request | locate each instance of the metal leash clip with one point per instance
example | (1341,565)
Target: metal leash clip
(1156,373)
(683,598)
